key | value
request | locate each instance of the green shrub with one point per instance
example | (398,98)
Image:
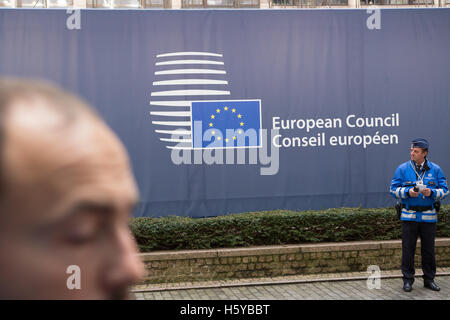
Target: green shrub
(272,228)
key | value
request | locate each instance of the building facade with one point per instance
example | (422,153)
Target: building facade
(211,4)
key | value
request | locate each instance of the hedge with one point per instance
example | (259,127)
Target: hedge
(273,228)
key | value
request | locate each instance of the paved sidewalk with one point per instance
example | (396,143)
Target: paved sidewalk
(344,286)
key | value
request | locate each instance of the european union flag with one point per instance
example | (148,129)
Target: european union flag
(226,124)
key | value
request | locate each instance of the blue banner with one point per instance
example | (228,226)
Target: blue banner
(228,111)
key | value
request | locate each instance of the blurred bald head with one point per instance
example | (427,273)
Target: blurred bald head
(35,107)
(67,193)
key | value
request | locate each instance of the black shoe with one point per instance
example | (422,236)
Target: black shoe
(432,286)
(407,287)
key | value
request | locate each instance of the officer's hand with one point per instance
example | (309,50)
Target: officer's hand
(412,193)
(426,192)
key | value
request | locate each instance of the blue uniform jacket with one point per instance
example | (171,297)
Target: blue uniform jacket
(405,178)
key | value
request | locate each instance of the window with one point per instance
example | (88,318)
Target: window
(7,3)
(250,3)
(59,3)
(192,3)
(309,3)
(397,2)
(126,3)
(115,3)
(220,3)
(99,3)
(156,3)
(31,3)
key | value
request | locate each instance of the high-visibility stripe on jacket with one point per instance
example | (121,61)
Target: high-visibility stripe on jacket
(405,178)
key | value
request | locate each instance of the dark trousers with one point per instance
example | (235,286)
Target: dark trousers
(410,232)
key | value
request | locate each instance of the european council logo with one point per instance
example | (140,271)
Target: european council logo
(226,124)
(185,117)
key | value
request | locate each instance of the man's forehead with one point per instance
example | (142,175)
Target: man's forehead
(37,112)
(41,147)
(38,130)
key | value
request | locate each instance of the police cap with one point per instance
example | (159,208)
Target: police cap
(420,143)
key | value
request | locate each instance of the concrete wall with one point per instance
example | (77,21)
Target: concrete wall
(274,261)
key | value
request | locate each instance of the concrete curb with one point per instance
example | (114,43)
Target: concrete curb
(349,276)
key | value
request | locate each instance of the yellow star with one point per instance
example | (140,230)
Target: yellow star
(241,124)
(210,124)
(239,116)
(213,116)
(233,110)
(218,138)
(213,132)
(226,140)
(225,108)
(218,110)
(234,138)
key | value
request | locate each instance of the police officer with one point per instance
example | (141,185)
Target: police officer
(418,183)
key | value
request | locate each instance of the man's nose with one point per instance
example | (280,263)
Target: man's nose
(127,268)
